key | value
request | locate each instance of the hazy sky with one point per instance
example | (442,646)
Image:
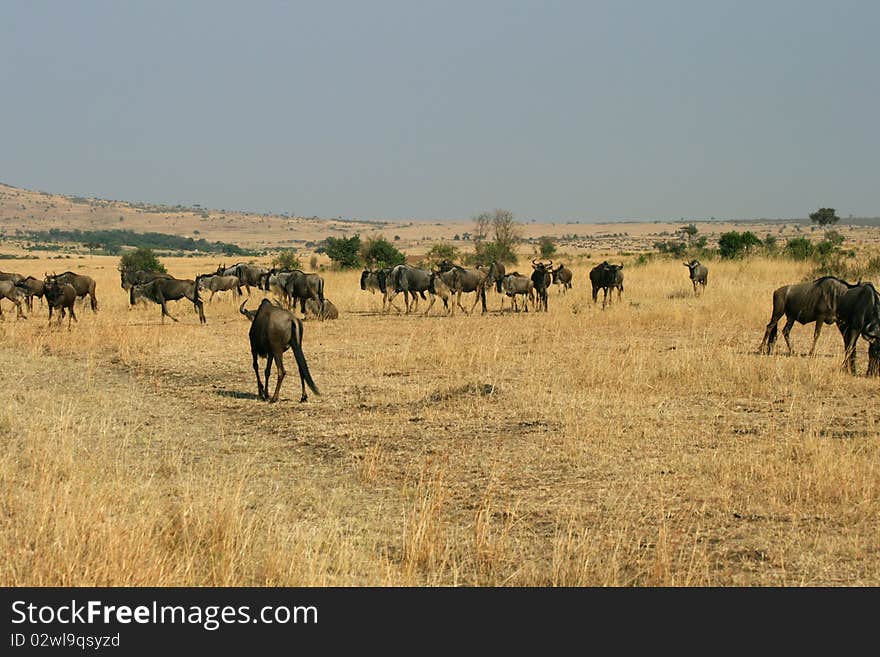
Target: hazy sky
(440,110)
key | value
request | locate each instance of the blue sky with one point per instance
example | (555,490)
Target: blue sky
(557,111)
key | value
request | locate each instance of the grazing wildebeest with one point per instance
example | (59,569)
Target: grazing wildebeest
(62,296)
(514,284)
(542,278)
(162,290)
(409,280)
(699,274)
(84,285)
(34,288)
(328,311)
(858,314)
(461,281)
(129,277)
(562,275)
(606,277)
(15,293)
(216,283)
(301,286)
(274,330)
(804,303)
(275,281)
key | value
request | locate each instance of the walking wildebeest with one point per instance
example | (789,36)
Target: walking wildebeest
(606,277)
(84,285)
(248,275)
(494,273)
(162,290)
(514,284)
(438,288)
(62,296)
(377,279)
(699,274)
(461,280)
(562,275)
(328,311)
(15,293)
(409,280)
(273,331)
(34,288)
(858,314)
(275,281)
(542,278)
(301,286)
(129,277)
(216,283)
(804,303)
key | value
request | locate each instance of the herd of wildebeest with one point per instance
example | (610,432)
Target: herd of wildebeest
(274,328)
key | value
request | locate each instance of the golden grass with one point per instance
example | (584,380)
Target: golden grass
(642,445)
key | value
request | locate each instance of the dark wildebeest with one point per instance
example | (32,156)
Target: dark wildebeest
(514,284)
(438,288)
(162,290)
(9,276)
(562,275)
(461,281)
(129,277)
(84,285)
(301,286)
(606,277)
(34,288)
(248,275)
(858,314)
(273,331)
(275,281)
(62,296)
(409,280)
(216,283)
(699,274)
(377,279)
(495,273)
(15,293)
(328,311)
(804,303)
(542,279)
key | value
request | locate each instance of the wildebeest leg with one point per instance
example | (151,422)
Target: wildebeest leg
(850,339)
(458,301)
(874,358)
(595,294)
(816,333)
(281,373)
(200,309)
(94,301)
(261,391)
(785,331)
(72,317)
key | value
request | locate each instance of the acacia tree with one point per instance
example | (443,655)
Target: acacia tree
(824,217)
(506,231)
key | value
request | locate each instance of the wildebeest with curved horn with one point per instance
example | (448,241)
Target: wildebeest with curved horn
(84,285)
(606,277)
(61,296)
(409,280)
(562,276)
(129,277)
(699,274)
(542,278)
(815,301)
(858,315)
(162,290)
(273,331)
(15,293)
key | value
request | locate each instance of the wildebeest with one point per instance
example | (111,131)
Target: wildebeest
(34,288)
(84,285)
(129,277)
(858,314)
(61,296)
(542,278)
(461,281)
(275,281)
(411,281)
(248,275)
(162,290)
(699,274)
(815,301)
(301,286)
(515,283)
(217,283)
(438,288)
(327,311)
(606,277)
(273,331)
(376,280)
(495,273)
(562,276)
(10,276)
(15,293)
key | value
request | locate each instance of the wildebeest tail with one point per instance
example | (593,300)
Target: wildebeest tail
(296,344)
(321,291)
(771,339)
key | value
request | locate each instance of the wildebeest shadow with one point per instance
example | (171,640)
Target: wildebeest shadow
(235,394)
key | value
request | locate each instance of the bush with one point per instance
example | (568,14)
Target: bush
(379,252)
(799,248)
(546,248)
(286,259)
(486,253)
(736,245)
(343,251)
(439,252)
(143,259)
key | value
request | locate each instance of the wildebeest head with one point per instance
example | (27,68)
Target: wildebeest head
(364,275)
(543,269)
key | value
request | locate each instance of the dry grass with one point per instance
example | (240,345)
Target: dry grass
(642,445)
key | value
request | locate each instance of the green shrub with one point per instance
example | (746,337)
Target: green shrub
(142,259)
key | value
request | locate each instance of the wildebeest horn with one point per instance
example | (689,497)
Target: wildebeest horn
(242,310)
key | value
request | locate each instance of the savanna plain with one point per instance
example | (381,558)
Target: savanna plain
(647,444)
